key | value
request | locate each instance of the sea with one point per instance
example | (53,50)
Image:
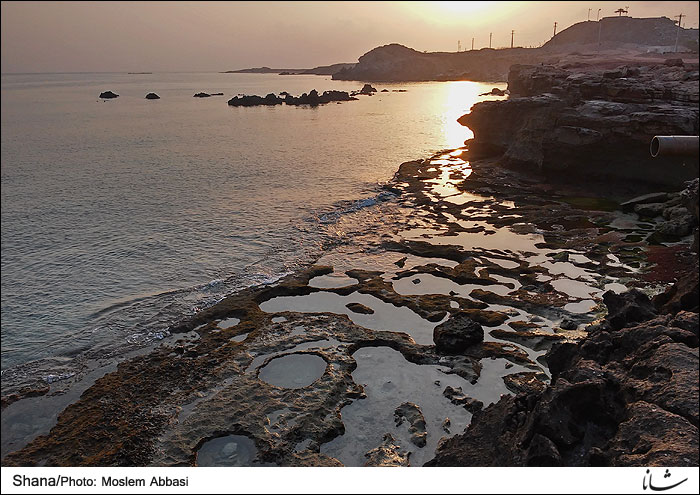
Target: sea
(121,217)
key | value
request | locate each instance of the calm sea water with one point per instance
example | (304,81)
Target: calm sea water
(119,217)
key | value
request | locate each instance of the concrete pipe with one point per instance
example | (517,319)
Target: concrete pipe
(674,145)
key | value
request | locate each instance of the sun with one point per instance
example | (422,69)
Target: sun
(463,7)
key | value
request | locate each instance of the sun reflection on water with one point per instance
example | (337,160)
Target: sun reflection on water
(460,97)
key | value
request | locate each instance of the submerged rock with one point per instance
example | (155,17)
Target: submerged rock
(108,95)
(456,334)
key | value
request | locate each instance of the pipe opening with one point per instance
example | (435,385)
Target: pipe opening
(654,147)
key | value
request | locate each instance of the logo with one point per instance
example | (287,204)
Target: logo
(657,488)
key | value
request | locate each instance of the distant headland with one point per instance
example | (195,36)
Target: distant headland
(616,37)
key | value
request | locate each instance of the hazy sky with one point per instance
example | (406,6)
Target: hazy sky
(214,36)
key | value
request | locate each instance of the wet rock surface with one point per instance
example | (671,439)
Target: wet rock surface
(490,246)
(620,397)
(412,414)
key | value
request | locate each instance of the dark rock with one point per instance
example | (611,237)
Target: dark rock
(367,89)
(568,324)
(652,436)
(457,333)
(217,94)
(152,96)
(683,295)
(359,308)
(494,92)
(542,452)
(650,210)
(401,262)
(674,62)
(311,98)
(629,307)
(202,95)
(108,95)
(384,90)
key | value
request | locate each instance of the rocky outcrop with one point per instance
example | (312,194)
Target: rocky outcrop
(596,122)
(311,98)
(624,30)
(396,62)
(457,333)
(201,95)
(108,95)
(152,96)
(623,396)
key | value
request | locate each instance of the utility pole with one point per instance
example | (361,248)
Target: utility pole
(600,27)
(472,43)
(459,45)
(555,29)
(490,36)
(589,14)
(512,33)
(598,18)
(678,32)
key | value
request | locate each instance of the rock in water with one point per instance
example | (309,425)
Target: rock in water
(387,454)
(359,308)
(202,95)
(410,412)
(152,96)
(367,89)
(108,95)
(456,334)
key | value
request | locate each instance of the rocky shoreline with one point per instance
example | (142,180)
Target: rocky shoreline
(591,121)
(460,242)
(490,310)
